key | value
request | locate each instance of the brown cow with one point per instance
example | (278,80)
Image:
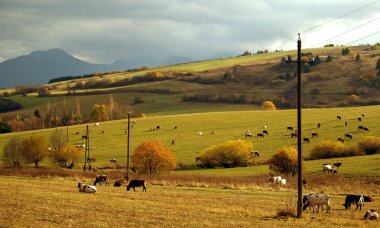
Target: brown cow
(290,129)
(314,134)
(102,178)
(260,135)
(306,140)
(294,135)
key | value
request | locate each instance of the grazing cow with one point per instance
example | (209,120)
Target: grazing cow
(306,140)
(275,179)
(137,183)
(357,199)
(319,199)
(84,137)
(260,135)
(158,127)
(368,198)
(360,128)
(365,129)
(290,129)
(371,215)
(314,135)
(173,142)
(363,115)
(338,117)
(327,167)
(175,127)
(91,159)
(294,135)
(359,119)
(319,125)
(97,124)
(304,182)
(340,140)
(102,132)
(282,182)
(180,136)
(265,126)
(248,134)
(102,178)
(86,188)
(345,123)
(337,164)
(113,160)
(348,136)
(200,133)
(76,133)
(255,154)
(118,183)
(212,132)
(265,132)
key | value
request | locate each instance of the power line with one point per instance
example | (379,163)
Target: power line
(345,32)
(362,38)
(329,21)
(334,19)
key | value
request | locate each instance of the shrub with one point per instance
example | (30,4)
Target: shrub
(357,58)
(285,161)
(330,149)
(9,105)
(378,64)
(369,145)
(155,74)
(138,100)
(35,149)
(268,105)
(14,153)
(5,128)
(67,156)
(232,153)
(152,157)
(354,99)
(328,59)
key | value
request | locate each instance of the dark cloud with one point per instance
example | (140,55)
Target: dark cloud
(104,31)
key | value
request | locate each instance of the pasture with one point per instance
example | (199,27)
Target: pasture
(50,202)
(226,125)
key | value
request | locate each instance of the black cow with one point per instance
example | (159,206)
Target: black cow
(357,199)
(118,183)
(348,136)
(137,183)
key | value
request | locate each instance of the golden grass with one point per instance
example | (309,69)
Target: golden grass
(53,202)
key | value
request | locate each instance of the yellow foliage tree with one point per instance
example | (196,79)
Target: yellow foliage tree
(268,105)
(354,99)
(285,161)
(156,74)
(35,149)
(152,157)
(232,153)
(67,156)
(99,113)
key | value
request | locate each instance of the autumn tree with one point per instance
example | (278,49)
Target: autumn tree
(268,105)
(232,153)
(67,156)
(152,157)
(354,99)
(284,161)
(35,149)
(14,153)
(99,113)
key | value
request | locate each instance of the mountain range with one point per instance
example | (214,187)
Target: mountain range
(39,67)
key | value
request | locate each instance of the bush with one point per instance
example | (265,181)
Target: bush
(369,145)
(138,100)
(268,105)
(35,149)
(43,92)
(232,153)
(9,105)
(67,156)
(328,59)
(152,157)
(14,153)
(285,161)
(5,128)
(330,149)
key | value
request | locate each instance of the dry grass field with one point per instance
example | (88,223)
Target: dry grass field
(56,202)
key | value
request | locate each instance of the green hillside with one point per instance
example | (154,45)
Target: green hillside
(227,126)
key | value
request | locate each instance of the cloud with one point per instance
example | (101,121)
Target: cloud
(104,31)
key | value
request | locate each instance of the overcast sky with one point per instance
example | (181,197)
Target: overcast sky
(102,31)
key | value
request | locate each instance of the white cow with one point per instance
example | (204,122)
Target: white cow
(97,124)
(318,199)
(86,188)
(282,182)
(371,215)
(200,133)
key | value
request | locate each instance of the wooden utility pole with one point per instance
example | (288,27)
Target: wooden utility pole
(299,127)
(87,150)
(129,128)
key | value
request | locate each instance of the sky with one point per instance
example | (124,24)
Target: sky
(101,31)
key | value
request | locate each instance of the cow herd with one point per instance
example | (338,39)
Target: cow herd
(104,179)
(318,200)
